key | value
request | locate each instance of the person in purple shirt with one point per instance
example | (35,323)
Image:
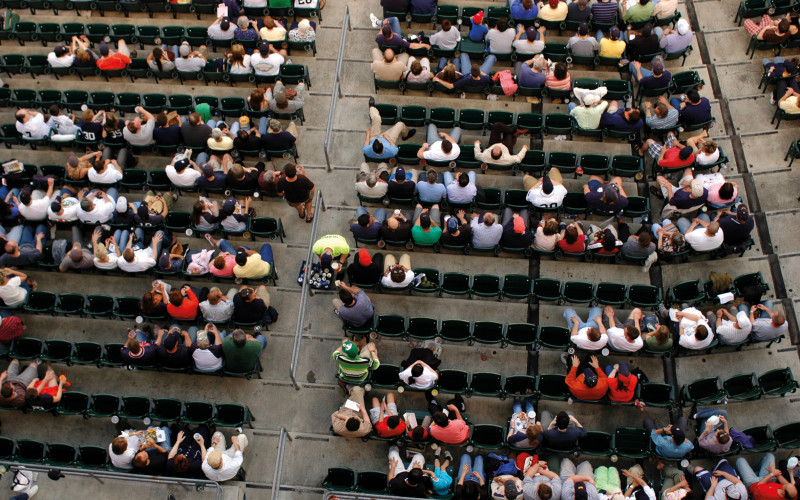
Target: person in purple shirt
(531,72)
(658,78)
(694,109)
(604,11)
(609,197)
(138,350)
(616,118)
(523,9)
(477,77)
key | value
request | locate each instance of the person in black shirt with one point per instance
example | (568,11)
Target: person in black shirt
(151,461)
(399,187)
(138,350)
(366,270)
(214,179)
(457,231)
(297,190)
(277,140)
(92,126)
(242,178)
(248,306)
(645,43)
(736,227)
(397,227)
(185,459)
(195,133)
(407,482)
(515,229)
(173,348)
(247,140)
(164,133)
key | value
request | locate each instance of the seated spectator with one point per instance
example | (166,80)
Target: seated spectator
(657,337)
(385,418)
(589,335)
(546,235)
(97,206)
(152,209)
(559,79)
(486,232)
(245,30)
(110,60)
(572,238)
(276,139)
(768,482)
(33,204)
(185,459)
(523,430)
(205,214)
(243,350)
(223,264)
(448,37)
(138,351)
(588,116)
(618,119)
(199,262)
(379,146)
(161,60)
(562,432)
(457,231)
(644,43)
(658,78)
(365,270)
(386,66)
(63,127)
(251,305)
(191,60)
(736,227)
(217,308)
(704,238)
(397,227)
(419,375)
(638,12)
(139,130)
(605,197)
(715,437)
(661,117)
(61,57)
(639,245)
(523,9)
(450,428)
(349,422)
(353,306)
(183,303)
(355,365)
(426,230)
(707,153)
(672,41)
(623,336)
(32,124)
(207,357)
(397,274)
(429,189)
(239,61)
(44,394)
(768,324)
(195,132)
(124,447)
(235,215)
(604,11)
(220,140)
(286,100)
(532,43)
(401,184)
(221,29)
(440,146)
(477,77)
(479,27)
(242,178)
(266,60)
(670,441)
(547,192)
(368,227)
(666,9)
(168,129)
(515,229)
(273,30)
(84,57)
(24,246)
(693,329)
(136,258)
(581,43)
(688,197)
(373,184)
(621,384)
(152,458)
(173,347)
(501,143)
(693,108)
(501,38)
(106,254)
(532,73)
(591,384)
(462,187)
(771,30)
(304,32)
(154,302)
(77,257)
(109,173)
(555,10)
(611,47)
(221,464)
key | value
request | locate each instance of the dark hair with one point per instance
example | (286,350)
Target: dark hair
(180,464)
(645,239)
(431,176)
(784,25)
(446,25)
(693,95)
(352,424)
(544,491)
(562,420)
(290,169)
(147,304)
(701,332)
(631,332)
(418,433)
(377,147)
(415,476)
(440,419)
(31,394)
(175,297)
(502,24)
(393,421)
(239,337)
(726,191)
(469,491)
(475,71)
(634,115)
(345,296)
(447,146)
(363,220)
(7,390)
(571,235)
(463,179)
(647,30)
(621,385)
(157,53)
(560,71)
(593,334)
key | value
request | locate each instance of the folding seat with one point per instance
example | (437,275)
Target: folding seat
(86,353)
(552,386)
(565,162)
(197,413)
(556,52)
(486,384)
(788,436)
(593,164)
(232,415)
(413,116)
(339,479)
(37,65)
(61,454)
(231,106)
(267,227)
(422,328)
(778,382)
(127,307)
(504,117)
(99,305)
(656,394)
(471,119)
(23,98)
(485,285)
(596,443)
(166,410)
(546,289)
(703,391)
(73,403)
(57,351)
(182,103)
(487,332)
(70,303)
(134,407)
(577,292)
(372,482)
(390,325)
(30,451)
(101,101)
(764,438)
(690,292)
(46,98)
(443,118)
(487,436)
(431,277)
(177,221)
(385,376)
(92,457)
(627,166)
(557,123)
(40,302)
(516,286)
(25,348)
(7,448)
(520,386)
(610,293)
(103,405)
(522,334)
(632,442)
(453,382)
(645,296)
(454,284)
(454,330)
(742,387)
(112,355)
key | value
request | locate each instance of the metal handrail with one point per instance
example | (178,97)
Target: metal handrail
(276,479)
(319,206)
(337,87)
(99,475)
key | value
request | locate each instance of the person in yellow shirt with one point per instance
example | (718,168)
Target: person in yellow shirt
(250,264)
(555,10)
(329,247)
(611,47)
(789,102)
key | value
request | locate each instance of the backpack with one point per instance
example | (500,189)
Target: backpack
(639,374)
(720,282)
(271,316)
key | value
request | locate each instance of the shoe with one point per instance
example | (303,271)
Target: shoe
(411,134)
(448,456)
(32,490)
(564,356)
(772,99)
(656,192)
(371,102)
(519,131)
(376,23)
(438,452)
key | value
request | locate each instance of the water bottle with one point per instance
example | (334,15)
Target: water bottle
(197,436)
(114,419)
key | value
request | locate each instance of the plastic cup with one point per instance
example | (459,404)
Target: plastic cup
(197,436)
(604,351)
(114,419)
(139,320)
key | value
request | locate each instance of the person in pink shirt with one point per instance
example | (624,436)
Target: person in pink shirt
(222,265)
(450,427)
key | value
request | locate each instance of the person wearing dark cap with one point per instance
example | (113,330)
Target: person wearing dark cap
(401,183)
(528,41)
(658,78)
(605,197)
(426,230)
(277,139)
(578,481)
(515,229)
(235,215)
(250,264)
(693,108)
(507,486)
(368,227)
(736,225)
(172,258)
(221,29)
(266,60)
(251,305)
(173,347)
(61,57)
(612,46)
(591,384)
(644,43)
(181,175)
(211,178)
(581,43)
(110,60)
(456,231)
(669,441)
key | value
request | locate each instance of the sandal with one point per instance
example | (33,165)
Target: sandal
(209,239)
(656,192)
(302,214)
(310,218)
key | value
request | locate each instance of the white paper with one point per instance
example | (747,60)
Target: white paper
(352,405)
(672,314)
(724,298)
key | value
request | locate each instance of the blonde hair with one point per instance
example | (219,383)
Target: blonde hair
(237,54)
(100,251)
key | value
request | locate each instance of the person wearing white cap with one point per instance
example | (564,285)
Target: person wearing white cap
(732,326)
(674,41)
(220,464)
(190,60)
(588,116)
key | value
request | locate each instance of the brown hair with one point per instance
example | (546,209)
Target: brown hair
(237,55)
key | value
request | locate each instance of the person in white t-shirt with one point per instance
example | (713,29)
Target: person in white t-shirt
(14,287)
(105,254)
(181,175)
(207,357)
(440,146)
(32,124)
(123,448)
(446,38)
(623,337)
(548,192)
(222,29)
(139,130)
(190,60)
(32,205)
(397,274)
(64,208)
(97,206)
(694,328)
(109,172)
(419,376)
(707,237)
(589,335)
(61,57)
(63,126)
(135,259)
(266,61)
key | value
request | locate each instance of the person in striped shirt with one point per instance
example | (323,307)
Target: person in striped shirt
(352,364)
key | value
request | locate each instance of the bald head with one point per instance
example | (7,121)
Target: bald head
(713,228)
(778,318)
(488,219)
(392,223)
(388,55)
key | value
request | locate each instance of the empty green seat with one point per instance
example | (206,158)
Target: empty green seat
(86,353)
(764,438)
(632,442)
(704,390)
(656,394)
(93,457)
(127,307)
(546,289)
(7,448)
(690,292)
(520,386)
(134,407)
(471,119)
(57,351)
(232,415)
(339,479)
(523,334)
(73,403)
(61,454)
(371,482)
(788,436)
(103,405)
(413,115)
(455,330)
(112,355)
(25,348)
(516,199)
(166,410)
(385,376)
(552,386)
(197,413)
(486,384)
(516,286)
(422,328)
(485,285)
(99,305)
(487,332)
(593,164)
(443,118)
(390,325)
(742,387)
(231,106)
(101,101)
(777,382)
(596,443)
(454,284)
(487,436)
(453,382)
(578,292)
(30,451)
(610,293)
(627,166)
(267,227)
(644,296)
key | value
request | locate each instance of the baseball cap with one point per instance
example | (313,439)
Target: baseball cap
(731,492)
(580,491)
(170,342)
(60,50)
(477,18)
(214,458)
(207,169)
(589,377)
(553,3)
(530,33)
(363,257)
(400,173)
(697,188)
(583,29)
(743,319)
(163,261)
(122,204)
(103,49)
(25,196)
(263,47)
(229,206)
(225,24)
(72,160)
(682,26)
(185,49)
(678,435)
(510,489)
(685,153)
(244,121)
(614,32)
(742,213)
(519,225)
(624,369)
(241,257)
(590,99)
(142,211)
(279,95)
(55,207)
(547,185)
(610,193)
(350,349)
(181,164)
(658,67)
(325,260)
(452,225)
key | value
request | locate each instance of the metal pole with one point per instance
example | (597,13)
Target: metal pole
(337,87)
(276,478)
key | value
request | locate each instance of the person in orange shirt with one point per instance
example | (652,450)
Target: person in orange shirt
(114,60)
(183,303)
(621,383)
(591,384)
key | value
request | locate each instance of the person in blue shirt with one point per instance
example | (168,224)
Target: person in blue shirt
(383,146)
(658,78)
(479,28)
(523,9)
(616,118)
(531,72)
(670,441)
(429,189)
(694,109)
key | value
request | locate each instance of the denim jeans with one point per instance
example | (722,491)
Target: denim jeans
(649,323)
(265,251)
(464,65)
(110,192)
(655,227)
(225,246)
(433,134)
(29,233)
(380,213)
(683,223)
(746,471)
(475,465)
(659,32)
(121,236)
(517,406)
(571,106)
(591,321)
(762,314)
(202,158)
(395,24)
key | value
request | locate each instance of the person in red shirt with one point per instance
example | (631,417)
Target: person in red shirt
(572,239)
(385,420)
(769,484)
(183,303)
(591,384)
(114,60)
(449,431)
(621,384)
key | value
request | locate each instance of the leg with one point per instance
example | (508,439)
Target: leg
(571,106)
(389,261)
(477,466)
(675,102)
(394,453)
(263,341)
(516,407)
(375,121)
(266,253)
(417,461)
(649,425)
(659,32)
(599,35)
(397,131)
(15,234)
(435,216)
(380,215)
(486,67)
(405,261)
(585,469)
(224,246)
(465,63)
(594,315)
(31,372)
(122,48)
(466,460)
(361,211)
(567,468)
(455,133)
(433,133)
(395,24)
(683,224)
(768,305)
(568,314)
(746,472)
(767,462)
(417,211)
(448,178)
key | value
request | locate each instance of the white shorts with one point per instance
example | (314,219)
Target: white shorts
(374,412)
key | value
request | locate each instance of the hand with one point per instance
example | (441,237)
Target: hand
(575,320)
(199,440)
(464,469)
(713,482)
(460,213)
(575,361)
(708,425)
(593,362)
(158,237)
(131,334)
(50,181)
(477,142)
(616,366)
(720,313)
(149,443)
(723,419)
(637,64)
(648,104)
(181,436)
(476,474)
(452,408)
(718,473)
(393,463)
(626,473)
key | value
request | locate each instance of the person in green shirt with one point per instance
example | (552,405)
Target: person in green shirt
(241,350)
(426,230)
(639,12)
(588,116)
(352,364)
(333,245)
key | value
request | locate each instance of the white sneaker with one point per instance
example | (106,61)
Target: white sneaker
(376,23)
(32,491)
